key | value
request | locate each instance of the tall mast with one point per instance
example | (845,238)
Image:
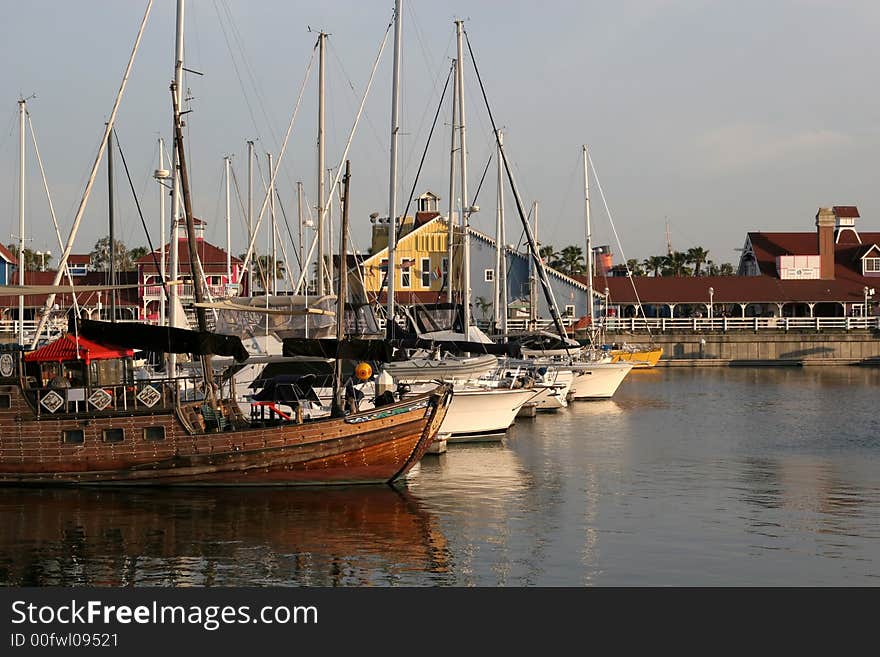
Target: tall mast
(392,177)
(589,233)
(299,205)
(173,275)
(112,235)
(250,211)
(465,203)
(329,187)
(322,37)
(160,174)
(341,293)
(533,274)
(501,252)
(450,227)
(21,265)
(228,229)
(273,266)
(198,279)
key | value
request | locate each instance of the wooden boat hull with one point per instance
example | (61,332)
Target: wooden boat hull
(377,446)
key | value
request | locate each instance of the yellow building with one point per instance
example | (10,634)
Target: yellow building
(421,256)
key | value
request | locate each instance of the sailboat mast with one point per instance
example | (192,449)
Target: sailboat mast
(250,211)
(501,252)
(228,229)
(198,279)
(173,287)
(589,235)
(273,266)
(341,292)
(392,176)
(450,227)
(299,205)
(322,37)
(112,235)
(159,173)
(465,203)
(21,170)
(533,274)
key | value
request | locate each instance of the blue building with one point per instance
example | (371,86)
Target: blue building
(8,266)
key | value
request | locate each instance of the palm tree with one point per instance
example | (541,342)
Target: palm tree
(697,256)
(655,264)
(484,305)
(570,261)
(676,264)
(711,268)
(548,255)
(635,267)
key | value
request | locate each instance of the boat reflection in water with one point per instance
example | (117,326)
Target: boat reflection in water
(222,537)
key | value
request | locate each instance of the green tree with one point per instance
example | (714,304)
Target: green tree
(635,267)
(726,270)
(137,252)
(676,264)
(32,261)
(655,264)
(696,256)
(570,261)
(548,255)
(100,256)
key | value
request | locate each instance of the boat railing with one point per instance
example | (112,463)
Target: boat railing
(732,324)
(135,397)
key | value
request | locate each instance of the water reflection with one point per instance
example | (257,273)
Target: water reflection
(326,537)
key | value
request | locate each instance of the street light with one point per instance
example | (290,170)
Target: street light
(711,295)
(869,292)
(43,255)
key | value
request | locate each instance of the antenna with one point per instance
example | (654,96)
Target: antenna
(668,240)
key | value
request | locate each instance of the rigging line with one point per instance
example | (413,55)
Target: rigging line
(351,86)
(68,247)
(278,162)
(51,207)
(482,179)
(412,191)
(239,42)
(354,127)
(617,239)
(281,241)
(539,265)
(140,214)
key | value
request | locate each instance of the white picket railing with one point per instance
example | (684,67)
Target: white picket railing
(727,324)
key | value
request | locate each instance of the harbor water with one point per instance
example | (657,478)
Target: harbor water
(715,476)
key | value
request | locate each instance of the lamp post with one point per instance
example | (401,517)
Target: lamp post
(43,255)
(869,292)
(711,296)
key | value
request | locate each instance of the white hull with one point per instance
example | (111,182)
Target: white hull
(447,369)
(483,414)
(599,381)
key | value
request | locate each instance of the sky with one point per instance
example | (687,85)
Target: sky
(713,118)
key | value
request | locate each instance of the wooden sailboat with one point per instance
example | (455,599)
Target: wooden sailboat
(98,425)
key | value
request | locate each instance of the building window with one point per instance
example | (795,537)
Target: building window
(115,435)
(154,433)
(73,437)
(872,265)
(569,310)
(426,272)
(489,275)
(404,277)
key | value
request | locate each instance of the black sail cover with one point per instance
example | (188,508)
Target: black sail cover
(349,348)
(165,339)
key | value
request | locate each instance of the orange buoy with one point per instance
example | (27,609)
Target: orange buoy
(363,371)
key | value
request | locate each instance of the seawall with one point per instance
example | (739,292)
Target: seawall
(765,348)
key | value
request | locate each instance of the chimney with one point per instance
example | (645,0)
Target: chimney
(825,223)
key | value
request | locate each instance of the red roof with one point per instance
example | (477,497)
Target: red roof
(127,297)
(767,246)
(7,255)
(213,258)
(848,211)
(68,347)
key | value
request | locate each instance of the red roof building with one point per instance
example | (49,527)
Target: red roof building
(829,272)
(69,347)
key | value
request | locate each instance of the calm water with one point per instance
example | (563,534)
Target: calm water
(706,477)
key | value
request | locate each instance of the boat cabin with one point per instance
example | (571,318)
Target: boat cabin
(77,362)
